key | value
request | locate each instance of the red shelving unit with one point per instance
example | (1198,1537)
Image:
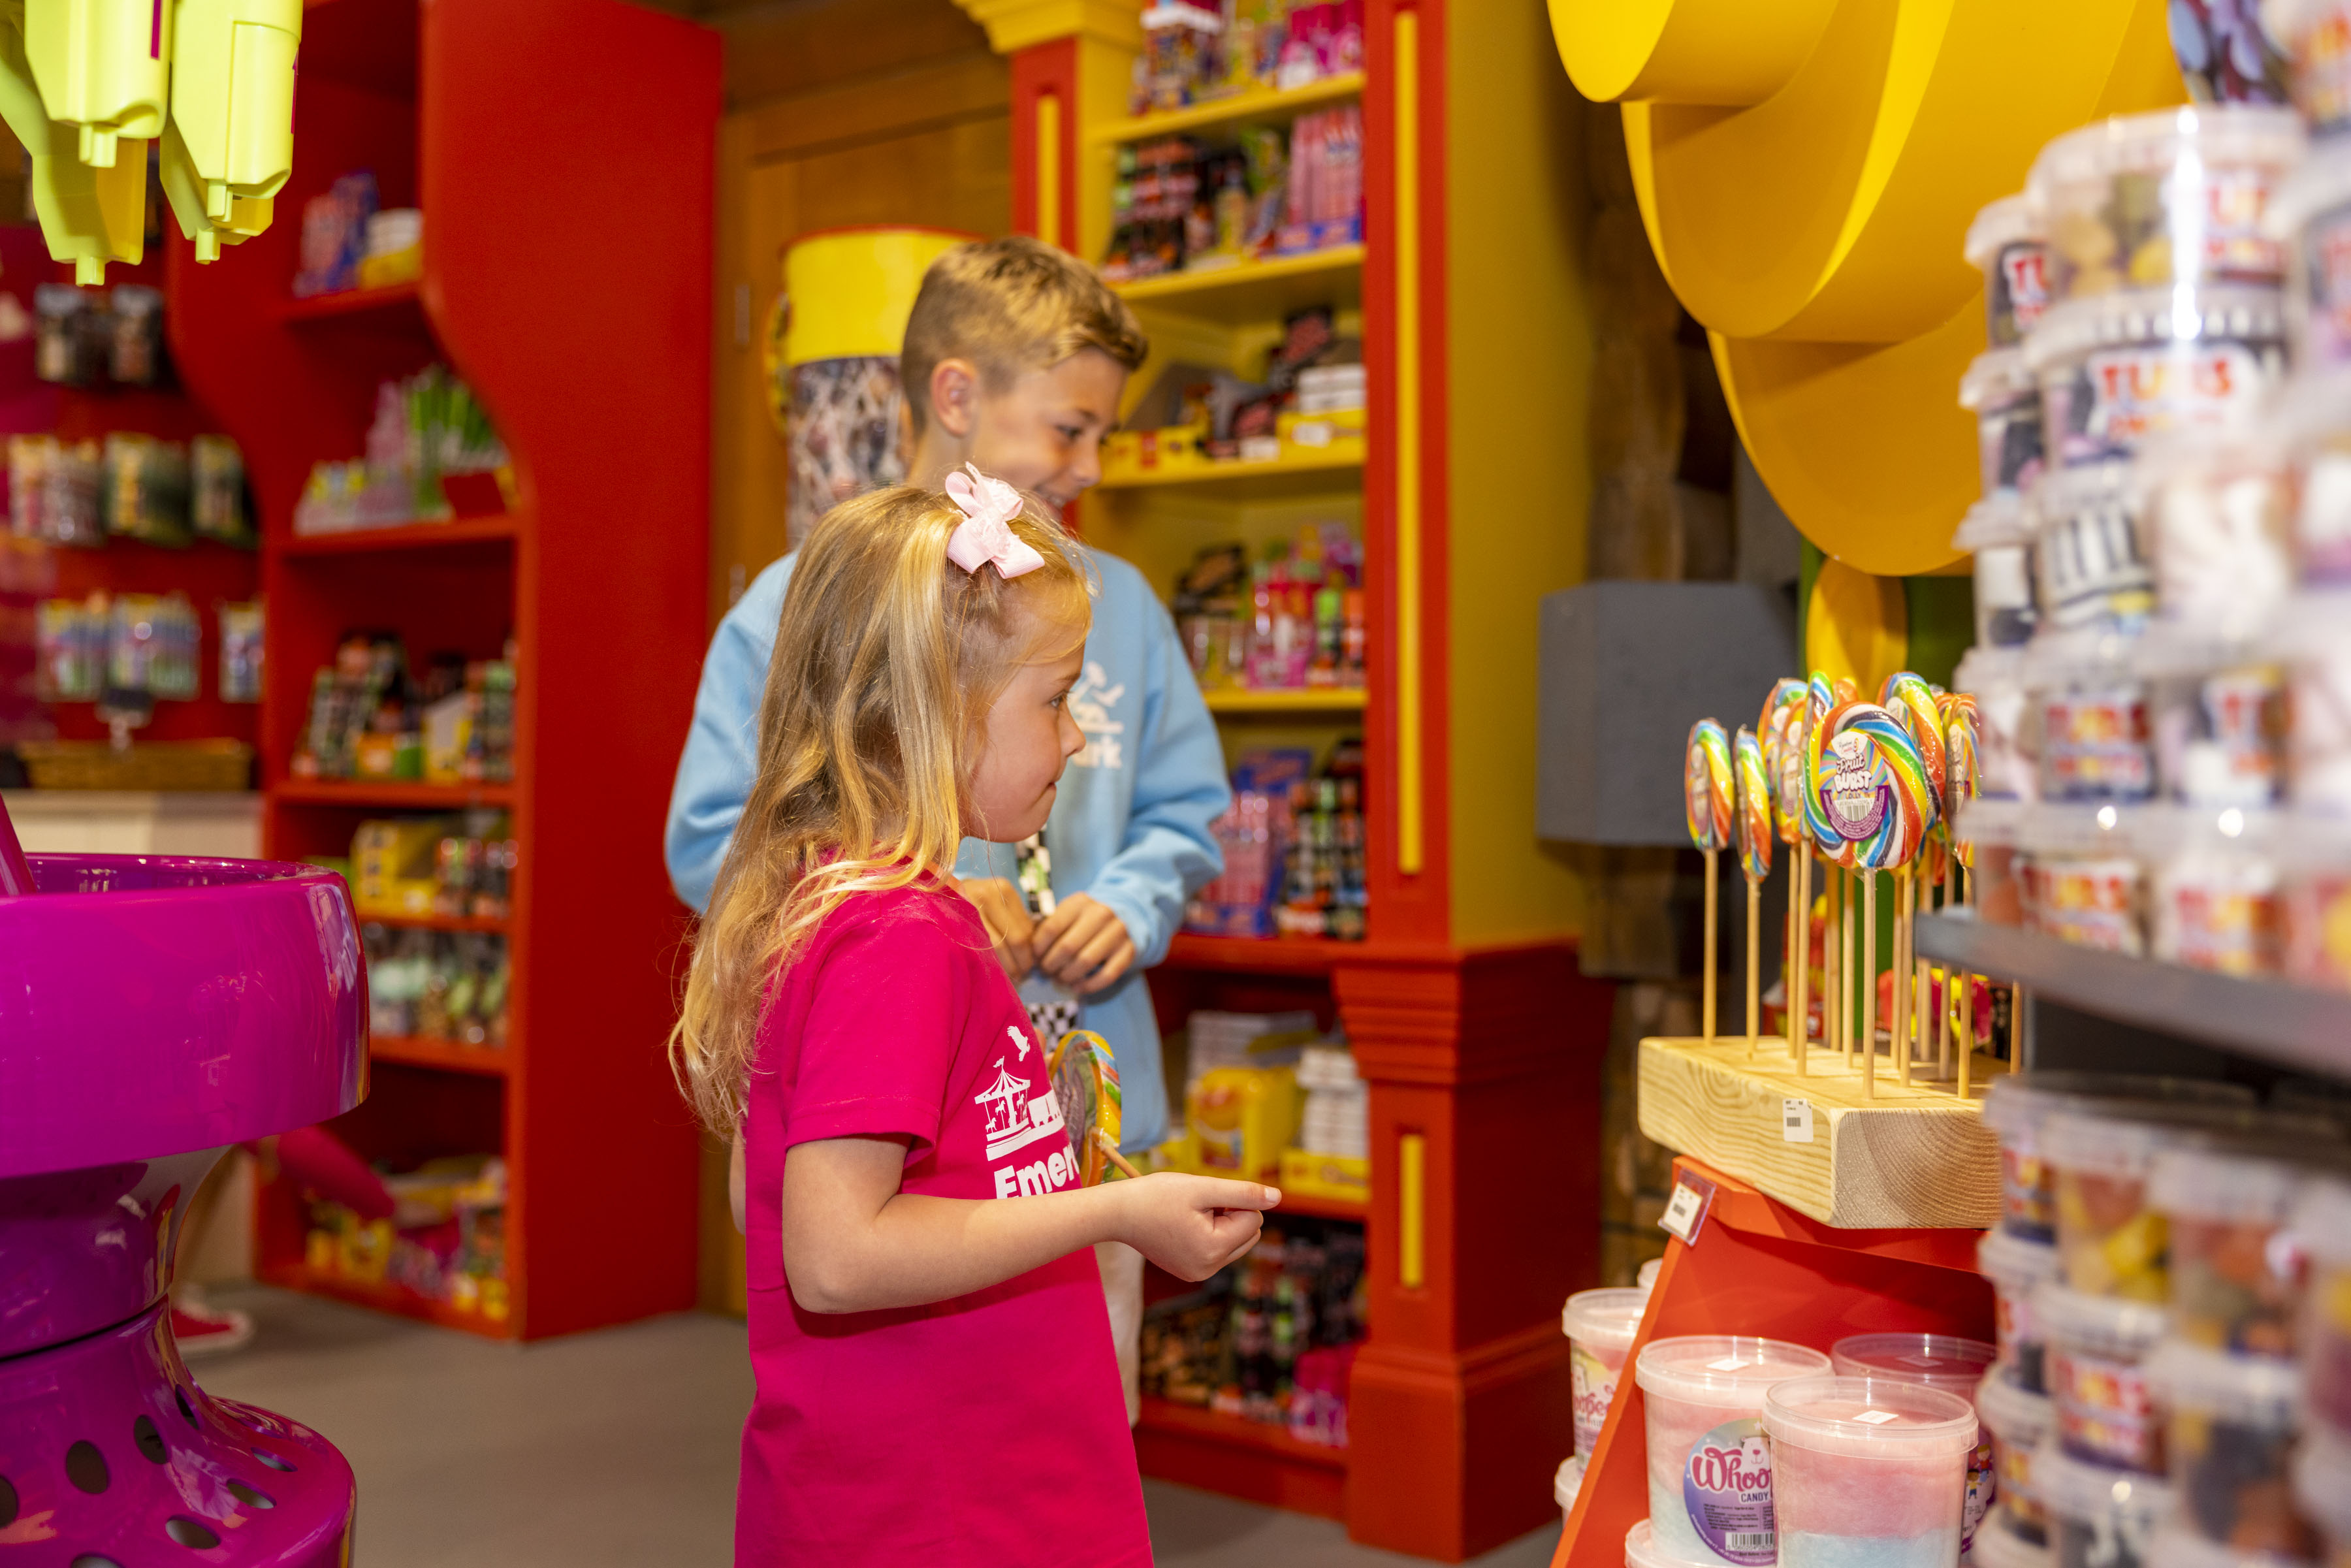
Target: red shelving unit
(560,150)
(1758,1266)
(1240,1459)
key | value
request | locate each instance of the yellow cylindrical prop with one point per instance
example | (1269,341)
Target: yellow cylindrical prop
(831,358)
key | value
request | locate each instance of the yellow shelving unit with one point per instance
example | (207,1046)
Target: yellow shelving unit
(1312,700)
(1260,108)
(1305,471)
(1249,291)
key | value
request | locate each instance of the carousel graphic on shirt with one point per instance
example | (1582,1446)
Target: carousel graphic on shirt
(1017,1114)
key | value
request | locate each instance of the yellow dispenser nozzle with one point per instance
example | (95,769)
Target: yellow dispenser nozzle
(90,216)
(102,66)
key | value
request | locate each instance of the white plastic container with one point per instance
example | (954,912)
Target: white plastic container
(2017,1266)
(2098,1347)
(2111,1241)
(1867,1470)
(2017,1108)
(2000,390)
(1998,531)
(2316,37)
(2115,370)
(2176,196)
(2322,1223)
(2019,1421)
(1566,1483)
(2322,1485)
(2236,1272)
(2004,244)
(2092,565)
(2098,1518)
(1600,1326)
(2174,1547)
(2230,1432)
(1941,1362)
(1709,1468)
(1641,1550)
(2312,215)
(2001,1543)
(2218,520)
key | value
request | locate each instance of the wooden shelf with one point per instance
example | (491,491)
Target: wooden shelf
(2292,1024)
(384,1298)
(1253,290)
(464,533)
(493,923)
(408,1050)
(1307,473)
(1263,106)
(1259,955)
(1252,1459)
(354,304)
(1312,699)
(390,794)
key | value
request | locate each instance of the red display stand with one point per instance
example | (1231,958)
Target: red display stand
(1757,1267)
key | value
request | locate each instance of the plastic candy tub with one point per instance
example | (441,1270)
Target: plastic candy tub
(2119,369)
(1868,1470)
(2322,1219)
(2098,1347)
(2090,558)
(2322,1485)
(1600,1326)
(2172,197)
(2019,1421)
(2004,244)
(1709,1468)
(2099,1517)
(2316,37)
(2002,1543)
(2230,1436)
(2018,1106)
(2236,1275)
(1932,1361)
(1998,531)
(2000,390)
(2016,1267)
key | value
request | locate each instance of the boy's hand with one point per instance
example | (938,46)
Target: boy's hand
(1192,1226)
(1083,945)
(1005,912)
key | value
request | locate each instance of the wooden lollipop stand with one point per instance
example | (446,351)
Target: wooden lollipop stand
(1755,1266)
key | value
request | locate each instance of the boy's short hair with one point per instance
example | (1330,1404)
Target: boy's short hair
(1010,306)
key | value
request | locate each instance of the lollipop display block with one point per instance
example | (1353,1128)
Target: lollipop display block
(1868,1472)
(1916,1154)
(153,1012)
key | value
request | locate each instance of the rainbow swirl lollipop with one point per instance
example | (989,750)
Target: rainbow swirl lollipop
(1820,709)
(1781,728)
(1754,819)
(1909,698)
(1706,786)
(1873,788)
(1962,776)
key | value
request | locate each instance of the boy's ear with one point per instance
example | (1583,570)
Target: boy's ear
(955,396)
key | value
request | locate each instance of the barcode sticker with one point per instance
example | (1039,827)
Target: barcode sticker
(1728,1364)
(1686,1212)
(1750,1540)
(1877,1418)
(1796,1121)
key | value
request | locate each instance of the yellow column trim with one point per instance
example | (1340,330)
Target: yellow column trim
(1014,25)
(1410,848)
(1049,168)
(1412,1211)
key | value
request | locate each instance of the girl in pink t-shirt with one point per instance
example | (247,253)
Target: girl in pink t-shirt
(936,1378)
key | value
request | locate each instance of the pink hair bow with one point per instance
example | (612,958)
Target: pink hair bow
(988,505)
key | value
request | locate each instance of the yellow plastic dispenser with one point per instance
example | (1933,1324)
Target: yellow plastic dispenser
(1238,1120)
(104,68)
(89,215)
(230,143)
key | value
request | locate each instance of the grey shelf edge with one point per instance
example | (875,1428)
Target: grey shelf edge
(2290,1024)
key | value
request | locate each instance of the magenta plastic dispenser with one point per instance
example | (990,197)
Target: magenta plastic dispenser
(153,1012)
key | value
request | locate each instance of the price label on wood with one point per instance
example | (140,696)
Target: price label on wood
(1796,1121)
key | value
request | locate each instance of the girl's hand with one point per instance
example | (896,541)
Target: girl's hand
(1191,1226)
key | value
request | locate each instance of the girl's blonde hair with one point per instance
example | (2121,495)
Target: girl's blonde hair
(887,660)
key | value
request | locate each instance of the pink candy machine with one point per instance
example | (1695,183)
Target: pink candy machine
(154,1011)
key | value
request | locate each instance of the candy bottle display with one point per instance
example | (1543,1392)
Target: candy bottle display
(1868,1470)
(1711,1479)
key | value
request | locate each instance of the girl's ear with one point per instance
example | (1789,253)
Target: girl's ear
(955,397)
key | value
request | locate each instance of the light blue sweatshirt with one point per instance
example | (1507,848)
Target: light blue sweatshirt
(1130,826)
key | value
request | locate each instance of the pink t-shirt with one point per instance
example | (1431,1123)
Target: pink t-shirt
(988,1429)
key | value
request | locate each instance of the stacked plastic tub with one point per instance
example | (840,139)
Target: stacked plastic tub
(1600,1326)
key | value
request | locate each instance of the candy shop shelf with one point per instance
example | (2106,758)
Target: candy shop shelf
(1251,1459)
(494,923)
(1263,107)
(1915,1156)
(1306,473)
(468,532)
(489,1061)
(2292,1024)
(390,794)
(1253,290)
(383,1298)
(1259,955)
(394,304)
(1313,699)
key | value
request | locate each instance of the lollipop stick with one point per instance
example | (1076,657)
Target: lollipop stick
(1905,1001)
(1967,1042)
(1845,970)
(1708,1027)
(1754,955)
(1799,967)
(1869,985)
(1832,959)
(1110,1153)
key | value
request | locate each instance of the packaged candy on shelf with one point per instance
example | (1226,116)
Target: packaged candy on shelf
(2116,370)
(2004,244)
(2215,906)
(242,633)
(2019,1420)
(2018,1265)
(2094,741)
(2230,1435)
(54,490)
(1710,1498)
(2322,1486)
(2098,1347)
(2314,212)
(2318,916)
(2176,1547)
(217,490)
(1942,1362)
(153,644)
(2098,1517)
(2008,761)
(2218,519)
(2000,390)
(1868,1470)
(2089,902)
(1600,1326)
(2219,737)
(2090,560)
(2018,1108)
(1999,534)
(2316,37)
(2175,196)
(147,489)
(2322,1223)
(69,642)
(2110,1241)
(2310,421)
(2319,749)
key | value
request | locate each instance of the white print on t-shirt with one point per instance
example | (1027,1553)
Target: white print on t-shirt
(1091,701)
(1019,1039)
(1016,1118)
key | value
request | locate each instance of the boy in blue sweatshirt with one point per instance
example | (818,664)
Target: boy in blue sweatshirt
(1015,358)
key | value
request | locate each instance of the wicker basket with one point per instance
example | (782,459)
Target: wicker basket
(158,765)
